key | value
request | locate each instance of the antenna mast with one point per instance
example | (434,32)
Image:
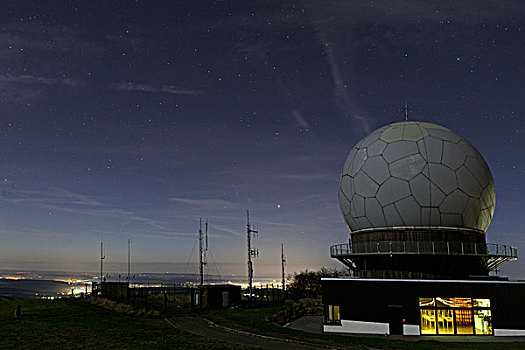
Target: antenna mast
(129,260)
(202,251)
(283,262)
(102,257)
(252,252)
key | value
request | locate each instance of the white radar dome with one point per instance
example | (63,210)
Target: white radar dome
(416,174)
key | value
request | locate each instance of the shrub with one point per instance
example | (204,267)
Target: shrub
(297,309)
(307,284)
(121,308)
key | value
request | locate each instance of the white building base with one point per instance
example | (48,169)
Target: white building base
(509,332)
(411,329)
(358,327)
(361,327)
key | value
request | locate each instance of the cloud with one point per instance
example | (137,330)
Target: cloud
(30,79)
(19,88)
(70,202)
(300,119)
(346,28)
(228,230)
(167,235)
(171,89)
(344,92)
(48,197)
(47,52)
(306,177)
(18,38)
(15,232)
(172,235)
(203,202)
(58,199)
(402,10)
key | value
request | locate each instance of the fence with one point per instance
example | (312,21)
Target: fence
(424,247)
(264,294)
(163,297)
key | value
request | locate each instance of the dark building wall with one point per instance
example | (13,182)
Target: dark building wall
(432,253)
(368,300)
(419,266)
(212,295)
(419,235)
(116,291)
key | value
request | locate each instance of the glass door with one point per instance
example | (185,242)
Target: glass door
(428,321)
(445,321)
(483,322)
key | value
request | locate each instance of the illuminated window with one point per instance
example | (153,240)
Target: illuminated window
(426,302)
(463,321)
(445,321)
(481,302)
(482,322)
(333,314)
(455,316)
(428,321)
(454,302)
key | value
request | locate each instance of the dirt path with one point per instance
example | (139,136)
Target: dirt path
(200,326)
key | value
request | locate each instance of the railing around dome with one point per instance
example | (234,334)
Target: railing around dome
(425,247)
(339,250)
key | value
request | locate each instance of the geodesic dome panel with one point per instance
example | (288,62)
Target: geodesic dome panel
(416,174)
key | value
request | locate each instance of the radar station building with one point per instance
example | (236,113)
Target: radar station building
(418,199)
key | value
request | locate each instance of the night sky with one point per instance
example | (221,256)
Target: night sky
(134,118)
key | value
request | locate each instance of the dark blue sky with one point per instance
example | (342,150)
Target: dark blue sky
(135,118)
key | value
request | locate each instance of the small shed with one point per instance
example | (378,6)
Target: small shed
(215,296)
(116,291)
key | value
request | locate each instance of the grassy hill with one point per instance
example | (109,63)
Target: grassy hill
(70,323)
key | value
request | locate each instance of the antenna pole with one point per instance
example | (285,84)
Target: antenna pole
(129,260)
(250,269)
(201,263)
(252,253)
(102,257)
(283,262)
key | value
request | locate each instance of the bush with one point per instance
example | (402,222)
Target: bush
(120,308)
(307,284)
(172,300)
(297,309)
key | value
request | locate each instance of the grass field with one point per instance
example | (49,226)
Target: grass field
(78,324)
(255,319)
